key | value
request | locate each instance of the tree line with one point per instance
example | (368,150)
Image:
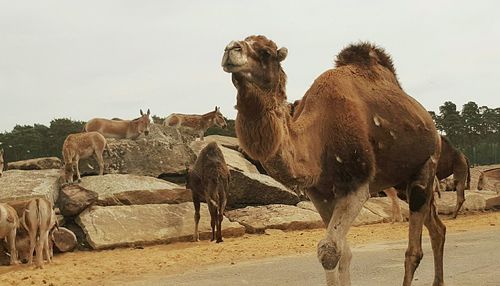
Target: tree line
(474,130)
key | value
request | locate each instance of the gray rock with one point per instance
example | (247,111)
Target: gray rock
(64,239)
(117,189)
(115,226)
(257,189)
(364,217)
(73,199)
(36,164)
(383,208)
(284,217)
(233,158)
(163,151)
(18,185)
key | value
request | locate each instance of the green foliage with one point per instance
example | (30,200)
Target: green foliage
(27,142)
(475,130)
(228,131)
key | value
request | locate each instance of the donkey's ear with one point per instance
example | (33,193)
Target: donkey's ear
(216,108)
(141,111)
(148,112)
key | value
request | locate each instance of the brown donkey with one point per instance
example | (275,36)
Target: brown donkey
(1,163)
(9,223)
(355,132)
(209,180)
(197,123)
(120,129)
(80,146)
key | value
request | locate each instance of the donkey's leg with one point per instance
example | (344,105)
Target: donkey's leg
(396,208)
(196,203)
(437,233)
(76,162)
(100,162)
(11,240)
(46,247)
(460,178)
(331,248)
(32,236)
(420,192)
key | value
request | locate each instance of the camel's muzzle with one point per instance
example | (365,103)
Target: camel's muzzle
(234,57)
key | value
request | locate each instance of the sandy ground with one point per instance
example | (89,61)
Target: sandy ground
(106,267)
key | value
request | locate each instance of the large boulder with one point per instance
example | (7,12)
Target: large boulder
(364,217)
(257,189)
(117,189)
(284,217)
(73,199)
(64,239)
(18,185)
(36,164)
(115,226)
(233,158)
(383,208)
(163,151)
(474,201)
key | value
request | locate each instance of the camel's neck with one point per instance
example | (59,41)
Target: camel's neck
(263,129)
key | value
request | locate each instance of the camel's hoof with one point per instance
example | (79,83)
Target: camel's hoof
(219,240)
(328,254)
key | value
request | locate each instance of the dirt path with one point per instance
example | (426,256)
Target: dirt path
(102,267)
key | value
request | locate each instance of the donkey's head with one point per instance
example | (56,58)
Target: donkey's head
(144,123)
(1,162)
(219,118)
(255,60)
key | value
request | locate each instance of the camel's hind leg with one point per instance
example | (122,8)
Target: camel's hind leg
(333,250)
(420,196)
(196,203)
(437,233)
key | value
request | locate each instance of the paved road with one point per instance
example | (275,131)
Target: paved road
(471,258)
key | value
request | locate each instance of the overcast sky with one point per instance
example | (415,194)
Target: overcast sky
(84,59)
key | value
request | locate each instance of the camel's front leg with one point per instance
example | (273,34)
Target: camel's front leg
(332,250)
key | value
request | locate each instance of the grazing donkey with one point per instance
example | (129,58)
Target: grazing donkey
(197,123)
(9,222)
(209,179)
(1,162)
(80,146)
(120,129)
(38,219)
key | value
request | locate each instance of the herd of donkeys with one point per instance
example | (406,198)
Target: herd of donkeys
(36,219)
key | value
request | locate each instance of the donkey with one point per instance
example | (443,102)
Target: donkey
(9,222)
(80,146)
(120,129)
(1,162)
(38,220)
(197,123)
(209,180)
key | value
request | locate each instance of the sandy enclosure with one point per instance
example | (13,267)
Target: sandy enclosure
(108,266)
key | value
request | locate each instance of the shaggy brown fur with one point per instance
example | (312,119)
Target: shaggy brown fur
(197,123)
(209,181)
(80,146)
(354,129)
(453,162)
(119,128)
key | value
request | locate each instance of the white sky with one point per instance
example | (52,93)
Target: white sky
(84,59)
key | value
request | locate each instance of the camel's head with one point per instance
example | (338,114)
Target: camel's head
(256,60)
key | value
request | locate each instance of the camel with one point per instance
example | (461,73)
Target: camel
(354,132)
(119,128)
(196,123)
(1,163)
(80,146)
(209,180)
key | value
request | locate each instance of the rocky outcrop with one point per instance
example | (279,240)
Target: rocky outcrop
(36,164)
(117,189)
(73,199)
(64,239)
(233,158)
(18,185)
(364,217)
(284,217)
(115,226)
(163,151)
(255,189)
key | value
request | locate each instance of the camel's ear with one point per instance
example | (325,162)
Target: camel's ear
(282,53)
(141,111)
(148,112)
